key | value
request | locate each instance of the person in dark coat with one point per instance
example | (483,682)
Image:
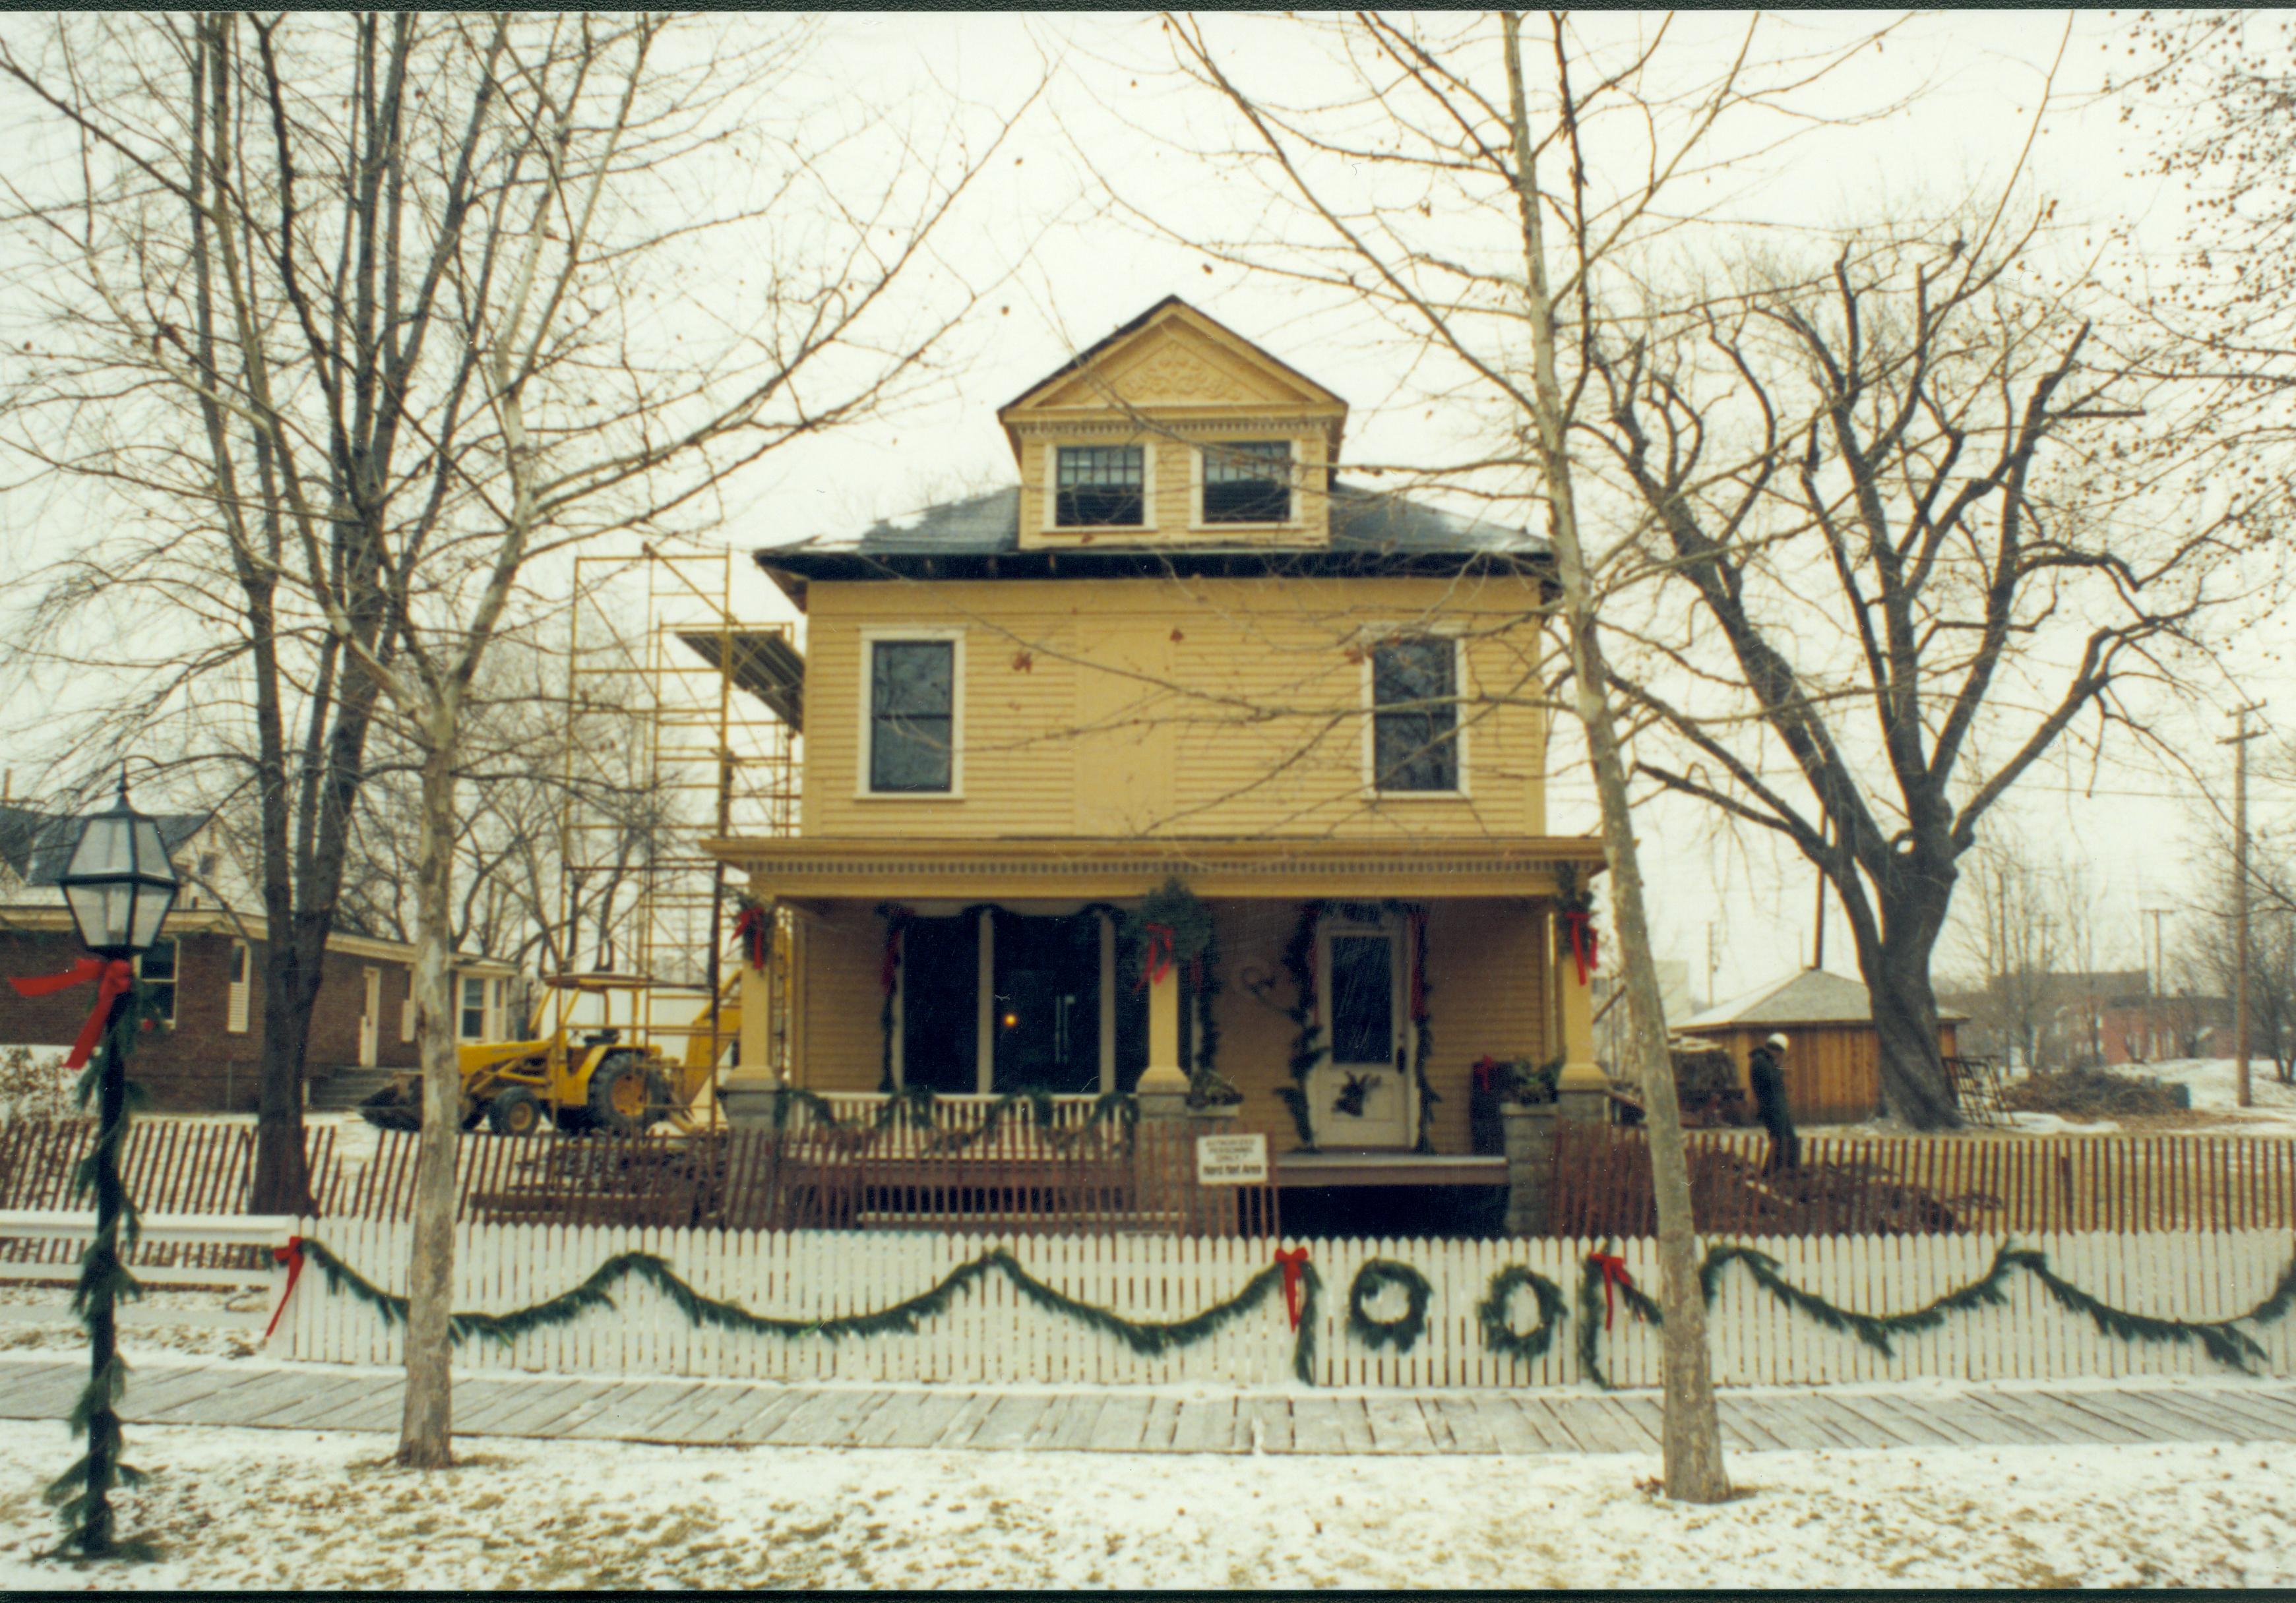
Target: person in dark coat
(1766,1069)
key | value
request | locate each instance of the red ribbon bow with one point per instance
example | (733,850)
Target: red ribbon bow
(291,1255)
(1614,1273)
(112,977)
(1293,1261)
(1159,956)
(1486,1074)
(1579,929)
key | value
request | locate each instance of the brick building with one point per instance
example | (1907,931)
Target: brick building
(209,968)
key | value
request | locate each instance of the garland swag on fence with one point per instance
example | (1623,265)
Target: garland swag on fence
(1148,1339)
(2222,1339)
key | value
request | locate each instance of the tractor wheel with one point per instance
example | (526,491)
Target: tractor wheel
(516,1111)
(621,1100)
(657,1096)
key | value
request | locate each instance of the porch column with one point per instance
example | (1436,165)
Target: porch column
(1582,1089)
(746,1091)
(1164,1081)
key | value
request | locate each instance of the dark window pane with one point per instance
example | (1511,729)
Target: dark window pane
(1099,487)
(940,1022)
(1363,999)
(1248,482)
(160,963)
(912,697)
(1047,1013)
(1415,717)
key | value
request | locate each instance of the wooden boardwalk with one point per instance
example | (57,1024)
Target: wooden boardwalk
(1115,1420)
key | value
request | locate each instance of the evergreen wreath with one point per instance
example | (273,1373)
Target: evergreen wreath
(1147,1337)
(1375,1276)
(1497,1326)
(1179,912)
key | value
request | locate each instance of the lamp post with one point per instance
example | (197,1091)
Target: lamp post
(120,886)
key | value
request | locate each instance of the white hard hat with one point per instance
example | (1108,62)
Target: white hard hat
(1780,1041)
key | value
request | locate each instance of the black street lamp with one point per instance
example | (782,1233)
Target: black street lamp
(120,886)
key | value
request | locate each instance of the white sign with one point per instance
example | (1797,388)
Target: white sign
(1232,1160)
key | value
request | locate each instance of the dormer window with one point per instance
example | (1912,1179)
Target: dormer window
(1101,486)
(1248,481)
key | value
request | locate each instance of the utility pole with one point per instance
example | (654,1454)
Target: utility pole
(2240,1039)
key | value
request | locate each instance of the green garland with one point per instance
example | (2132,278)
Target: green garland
(1590,1326)
(1148,1339)
(82,1494)
(1498,1330)
(1423,1045)
(1375,1276)
(2221,1340)
(919,1106)
(1307,1045)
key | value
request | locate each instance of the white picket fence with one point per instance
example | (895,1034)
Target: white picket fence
(992,1335)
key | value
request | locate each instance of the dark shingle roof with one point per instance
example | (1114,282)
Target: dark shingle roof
(36,846)
(978,527)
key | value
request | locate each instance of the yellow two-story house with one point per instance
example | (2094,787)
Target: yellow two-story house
(1180,650)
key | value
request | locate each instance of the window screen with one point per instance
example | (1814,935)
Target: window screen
(474,1009)
(1100,485)
(1415,715)
(1248,481)
(912,715)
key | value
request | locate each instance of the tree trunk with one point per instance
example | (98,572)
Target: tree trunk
(424,1429)
(1691,1442)
(1915,1088)
(291,989)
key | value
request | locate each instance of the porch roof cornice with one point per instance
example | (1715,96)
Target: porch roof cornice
(843,868)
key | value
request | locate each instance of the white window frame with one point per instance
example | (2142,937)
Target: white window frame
(1051,487)
(891,634)
(1463,791)
(237,993)
(1196,524)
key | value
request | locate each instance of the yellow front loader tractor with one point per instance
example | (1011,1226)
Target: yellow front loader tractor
(590,1062)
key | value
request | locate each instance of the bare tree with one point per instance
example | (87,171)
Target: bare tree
(1953,543)
(420,274)
(1463,186)
(2013,939)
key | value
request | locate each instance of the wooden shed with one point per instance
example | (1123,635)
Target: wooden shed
(1833,1062)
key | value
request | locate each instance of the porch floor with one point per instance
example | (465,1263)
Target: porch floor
(1147,1420)
(1342,1167)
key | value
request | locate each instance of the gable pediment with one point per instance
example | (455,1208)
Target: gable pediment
(1174,359)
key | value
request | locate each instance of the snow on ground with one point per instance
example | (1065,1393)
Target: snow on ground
(240,1507)
(158,1324)
(2215,1090)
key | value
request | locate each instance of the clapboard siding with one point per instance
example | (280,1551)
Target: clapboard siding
(1228,708)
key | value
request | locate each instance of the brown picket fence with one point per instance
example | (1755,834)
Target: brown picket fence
(1917,1185)
(168,1165)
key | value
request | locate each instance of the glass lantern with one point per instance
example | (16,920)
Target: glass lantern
(119,884)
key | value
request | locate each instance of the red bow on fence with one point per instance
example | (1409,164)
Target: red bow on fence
(291,1255)
(1158,961)
(1293,1259)
(1614,1273)
(112,977)
(1579,929)
(749,928)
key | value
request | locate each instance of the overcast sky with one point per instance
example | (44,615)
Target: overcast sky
(1061,267)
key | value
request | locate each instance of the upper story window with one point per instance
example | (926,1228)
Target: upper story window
(473,1021)
(1101,486)
(1248,481)
(157,969)
(912,732)
(1415,688)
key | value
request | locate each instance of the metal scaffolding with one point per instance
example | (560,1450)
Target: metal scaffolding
(682,720)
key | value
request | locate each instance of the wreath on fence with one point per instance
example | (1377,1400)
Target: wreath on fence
(1402,1333)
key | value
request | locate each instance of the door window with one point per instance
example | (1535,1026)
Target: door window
(1363,998)
(1048,1017)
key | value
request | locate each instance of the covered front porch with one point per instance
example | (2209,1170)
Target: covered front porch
(1337,995)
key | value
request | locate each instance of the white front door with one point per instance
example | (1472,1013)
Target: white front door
(371,1021)
(1360,1095)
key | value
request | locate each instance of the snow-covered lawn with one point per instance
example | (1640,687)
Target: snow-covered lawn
(295,1509)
